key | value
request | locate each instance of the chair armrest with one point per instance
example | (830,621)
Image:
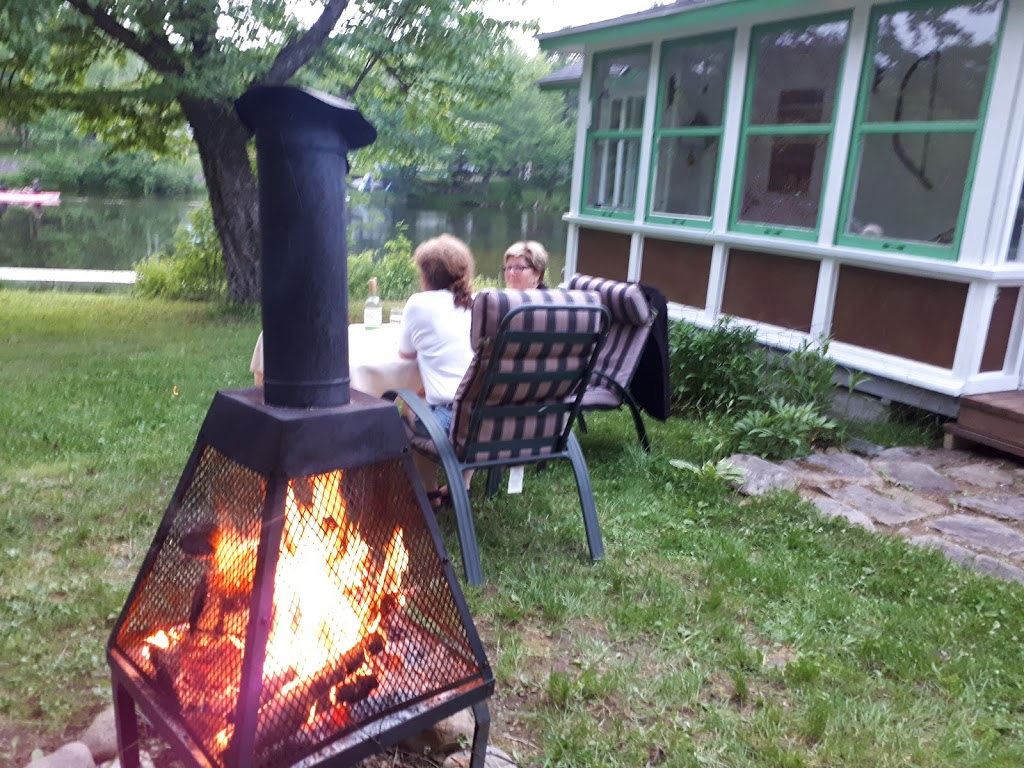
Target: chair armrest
(419,407)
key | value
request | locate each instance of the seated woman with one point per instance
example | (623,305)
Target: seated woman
(525,263)
(435,332)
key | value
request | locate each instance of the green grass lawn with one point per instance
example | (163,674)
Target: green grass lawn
(718,631)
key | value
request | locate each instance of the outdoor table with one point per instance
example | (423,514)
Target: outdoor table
(374,363)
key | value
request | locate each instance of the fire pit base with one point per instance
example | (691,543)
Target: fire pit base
(129,689)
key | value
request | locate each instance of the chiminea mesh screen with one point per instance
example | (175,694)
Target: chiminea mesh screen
(363,623)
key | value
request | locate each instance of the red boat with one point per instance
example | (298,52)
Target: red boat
(25,197)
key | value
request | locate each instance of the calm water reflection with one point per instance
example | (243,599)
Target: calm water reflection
(90,233)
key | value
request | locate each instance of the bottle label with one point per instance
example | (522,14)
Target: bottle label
(373,317)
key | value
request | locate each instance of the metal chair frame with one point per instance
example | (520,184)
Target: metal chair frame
(528,450)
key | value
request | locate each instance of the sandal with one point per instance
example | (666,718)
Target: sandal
(439,499)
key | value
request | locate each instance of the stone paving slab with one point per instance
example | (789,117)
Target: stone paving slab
(879,508)
(843,466)
(762,476)
(982,532)
(970,559)
(832,508)
(915,475)
(982,475)
(934,457)
(1003,507)
(969,506)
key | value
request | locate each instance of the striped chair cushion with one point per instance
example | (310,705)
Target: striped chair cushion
(489,307)
(632,318)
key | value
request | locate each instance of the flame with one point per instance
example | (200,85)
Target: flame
(326,600)
(329,591)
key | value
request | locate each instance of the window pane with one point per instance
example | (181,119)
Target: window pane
(910,186)
(693,83)
(782,180)
(684,181)
(932,63)
(613,169)
(797,73)
(619,91)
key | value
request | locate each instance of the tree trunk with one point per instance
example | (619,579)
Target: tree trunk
(234,200)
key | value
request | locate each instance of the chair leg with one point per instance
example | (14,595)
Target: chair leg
(582,422)
(590,523)
(494,475)
(456,483)
(638,422)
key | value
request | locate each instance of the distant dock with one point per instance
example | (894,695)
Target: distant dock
(93,276)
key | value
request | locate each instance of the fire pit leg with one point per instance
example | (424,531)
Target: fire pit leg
(480,732)
(127,721)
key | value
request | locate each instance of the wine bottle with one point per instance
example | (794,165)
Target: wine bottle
(373,312)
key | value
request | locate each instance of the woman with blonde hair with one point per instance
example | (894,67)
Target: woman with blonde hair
(435,333)
(525,263)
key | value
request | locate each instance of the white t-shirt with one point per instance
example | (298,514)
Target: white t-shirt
(437,332)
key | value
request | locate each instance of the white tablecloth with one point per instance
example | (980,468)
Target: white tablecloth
(374,364)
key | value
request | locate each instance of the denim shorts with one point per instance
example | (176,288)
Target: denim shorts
(442,415)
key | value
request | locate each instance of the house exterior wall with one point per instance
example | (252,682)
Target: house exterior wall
(922,290)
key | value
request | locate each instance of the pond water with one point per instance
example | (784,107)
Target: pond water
(93,233)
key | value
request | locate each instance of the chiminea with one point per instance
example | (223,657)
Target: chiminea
(297,605)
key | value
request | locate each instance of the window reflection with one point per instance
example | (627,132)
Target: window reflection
(694,77)
(619,99)
(789,123)
(797,66)
(782,180)
(614,173)
(923,108)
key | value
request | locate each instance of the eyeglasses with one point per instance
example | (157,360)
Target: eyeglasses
(516,269)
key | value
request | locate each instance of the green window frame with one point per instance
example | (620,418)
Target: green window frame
(787,136)
(611,182)
(707,131)
(918,135)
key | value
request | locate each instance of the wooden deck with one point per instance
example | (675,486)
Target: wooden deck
(995,420)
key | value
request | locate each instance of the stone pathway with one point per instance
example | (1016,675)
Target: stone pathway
(969,506)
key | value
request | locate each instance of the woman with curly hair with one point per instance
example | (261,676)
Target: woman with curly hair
(435,333)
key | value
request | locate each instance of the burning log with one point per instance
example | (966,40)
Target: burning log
(359,689)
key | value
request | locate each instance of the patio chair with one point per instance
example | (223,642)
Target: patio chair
(516,405)
(631,321)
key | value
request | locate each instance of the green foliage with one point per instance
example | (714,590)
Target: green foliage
(767,403)
(192,268)
(392,265)
(802,375)
(129,174)
(723,470)
(714,370)
(783,430)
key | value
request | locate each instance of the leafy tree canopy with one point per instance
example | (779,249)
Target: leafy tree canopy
(420,61)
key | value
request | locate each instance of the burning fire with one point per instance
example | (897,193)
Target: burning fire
(332,594)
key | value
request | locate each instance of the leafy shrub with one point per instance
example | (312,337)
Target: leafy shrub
(192,268)
(783,430)
(764,402)
(803,375)
(714,370)
(392,265)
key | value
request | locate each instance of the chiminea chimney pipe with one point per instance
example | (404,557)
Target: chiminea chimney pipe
(302,138)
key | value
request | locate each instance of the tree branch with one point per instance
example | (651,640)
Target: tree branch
(367,68)
(156,52)
(299,50)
